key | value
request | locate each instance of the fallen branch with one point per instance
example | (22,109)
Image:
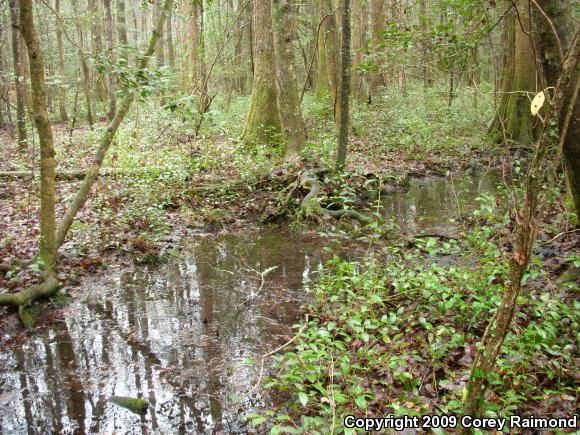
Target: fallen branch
(435,235)
(79,174)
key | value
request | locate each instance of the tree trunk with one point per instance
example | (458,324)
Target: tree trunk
(111,55)
(550,52)
(159,51)
(358,45)
(262,121)
(343,110)
(47,248)
(97,47)
(18,79)
(105,142)
(62,88)
(541,176)
(514,120)
(86,80)
(196,59)
(328,65)
(286,81)
(424,47)
(377,25)
(121,24)
(169,40)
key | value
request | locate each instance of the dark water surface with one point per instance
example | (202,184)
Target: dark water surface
(178,334)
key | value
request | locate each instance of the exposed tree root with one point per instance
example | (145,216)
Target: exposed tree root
(436,235)
(24,298)
(310,206)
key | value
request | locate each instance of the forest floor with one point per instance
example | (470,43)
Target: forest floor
(162,185)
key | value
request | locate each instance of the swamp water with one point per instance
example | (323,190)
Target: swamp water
(178,334)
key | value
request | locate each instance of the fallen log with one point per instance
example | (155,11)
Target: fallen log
(79,174)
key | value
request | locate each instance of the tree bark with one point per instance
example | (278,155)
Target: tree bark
(18,79)
(358,45)
(327,76)
(169,39)
(47,247)
(196,57)
(97,47)
(121,24)
(343,104)
(263,121)
(514,120)
(160,50)
(378,23)
(111,54)
(553,39)
(60,48)
(424,46)
(541,173)
(86,80)
(286,80)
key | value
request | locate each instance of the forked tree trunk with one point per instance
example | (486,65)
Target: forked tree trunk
(343,106)
(47,248)
(18,79)
(262,121)
(286,80)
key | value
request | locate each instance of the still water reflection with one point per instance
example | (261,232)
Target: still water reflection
(178,334)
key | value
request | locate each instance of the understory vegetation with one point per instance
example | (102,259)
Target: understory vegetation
(396,334)
(183,170)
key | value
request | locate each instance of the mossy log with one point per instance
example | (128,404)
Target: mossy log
(133,404)
(26,297)
(310,206)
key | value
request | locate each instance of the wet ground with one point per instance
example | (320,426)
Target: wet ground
(179,334)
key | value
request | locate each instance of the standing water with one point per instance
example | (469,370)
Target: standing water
(179,335)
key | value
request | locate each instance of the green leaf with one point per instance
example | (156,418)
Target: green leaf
(361,402)
(303,398)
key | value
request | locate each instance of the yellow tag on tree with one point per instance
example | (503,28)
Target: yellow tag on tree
(537,103)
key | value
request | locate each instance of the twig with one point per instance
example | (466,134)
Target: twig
(278,349)
(560,235)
